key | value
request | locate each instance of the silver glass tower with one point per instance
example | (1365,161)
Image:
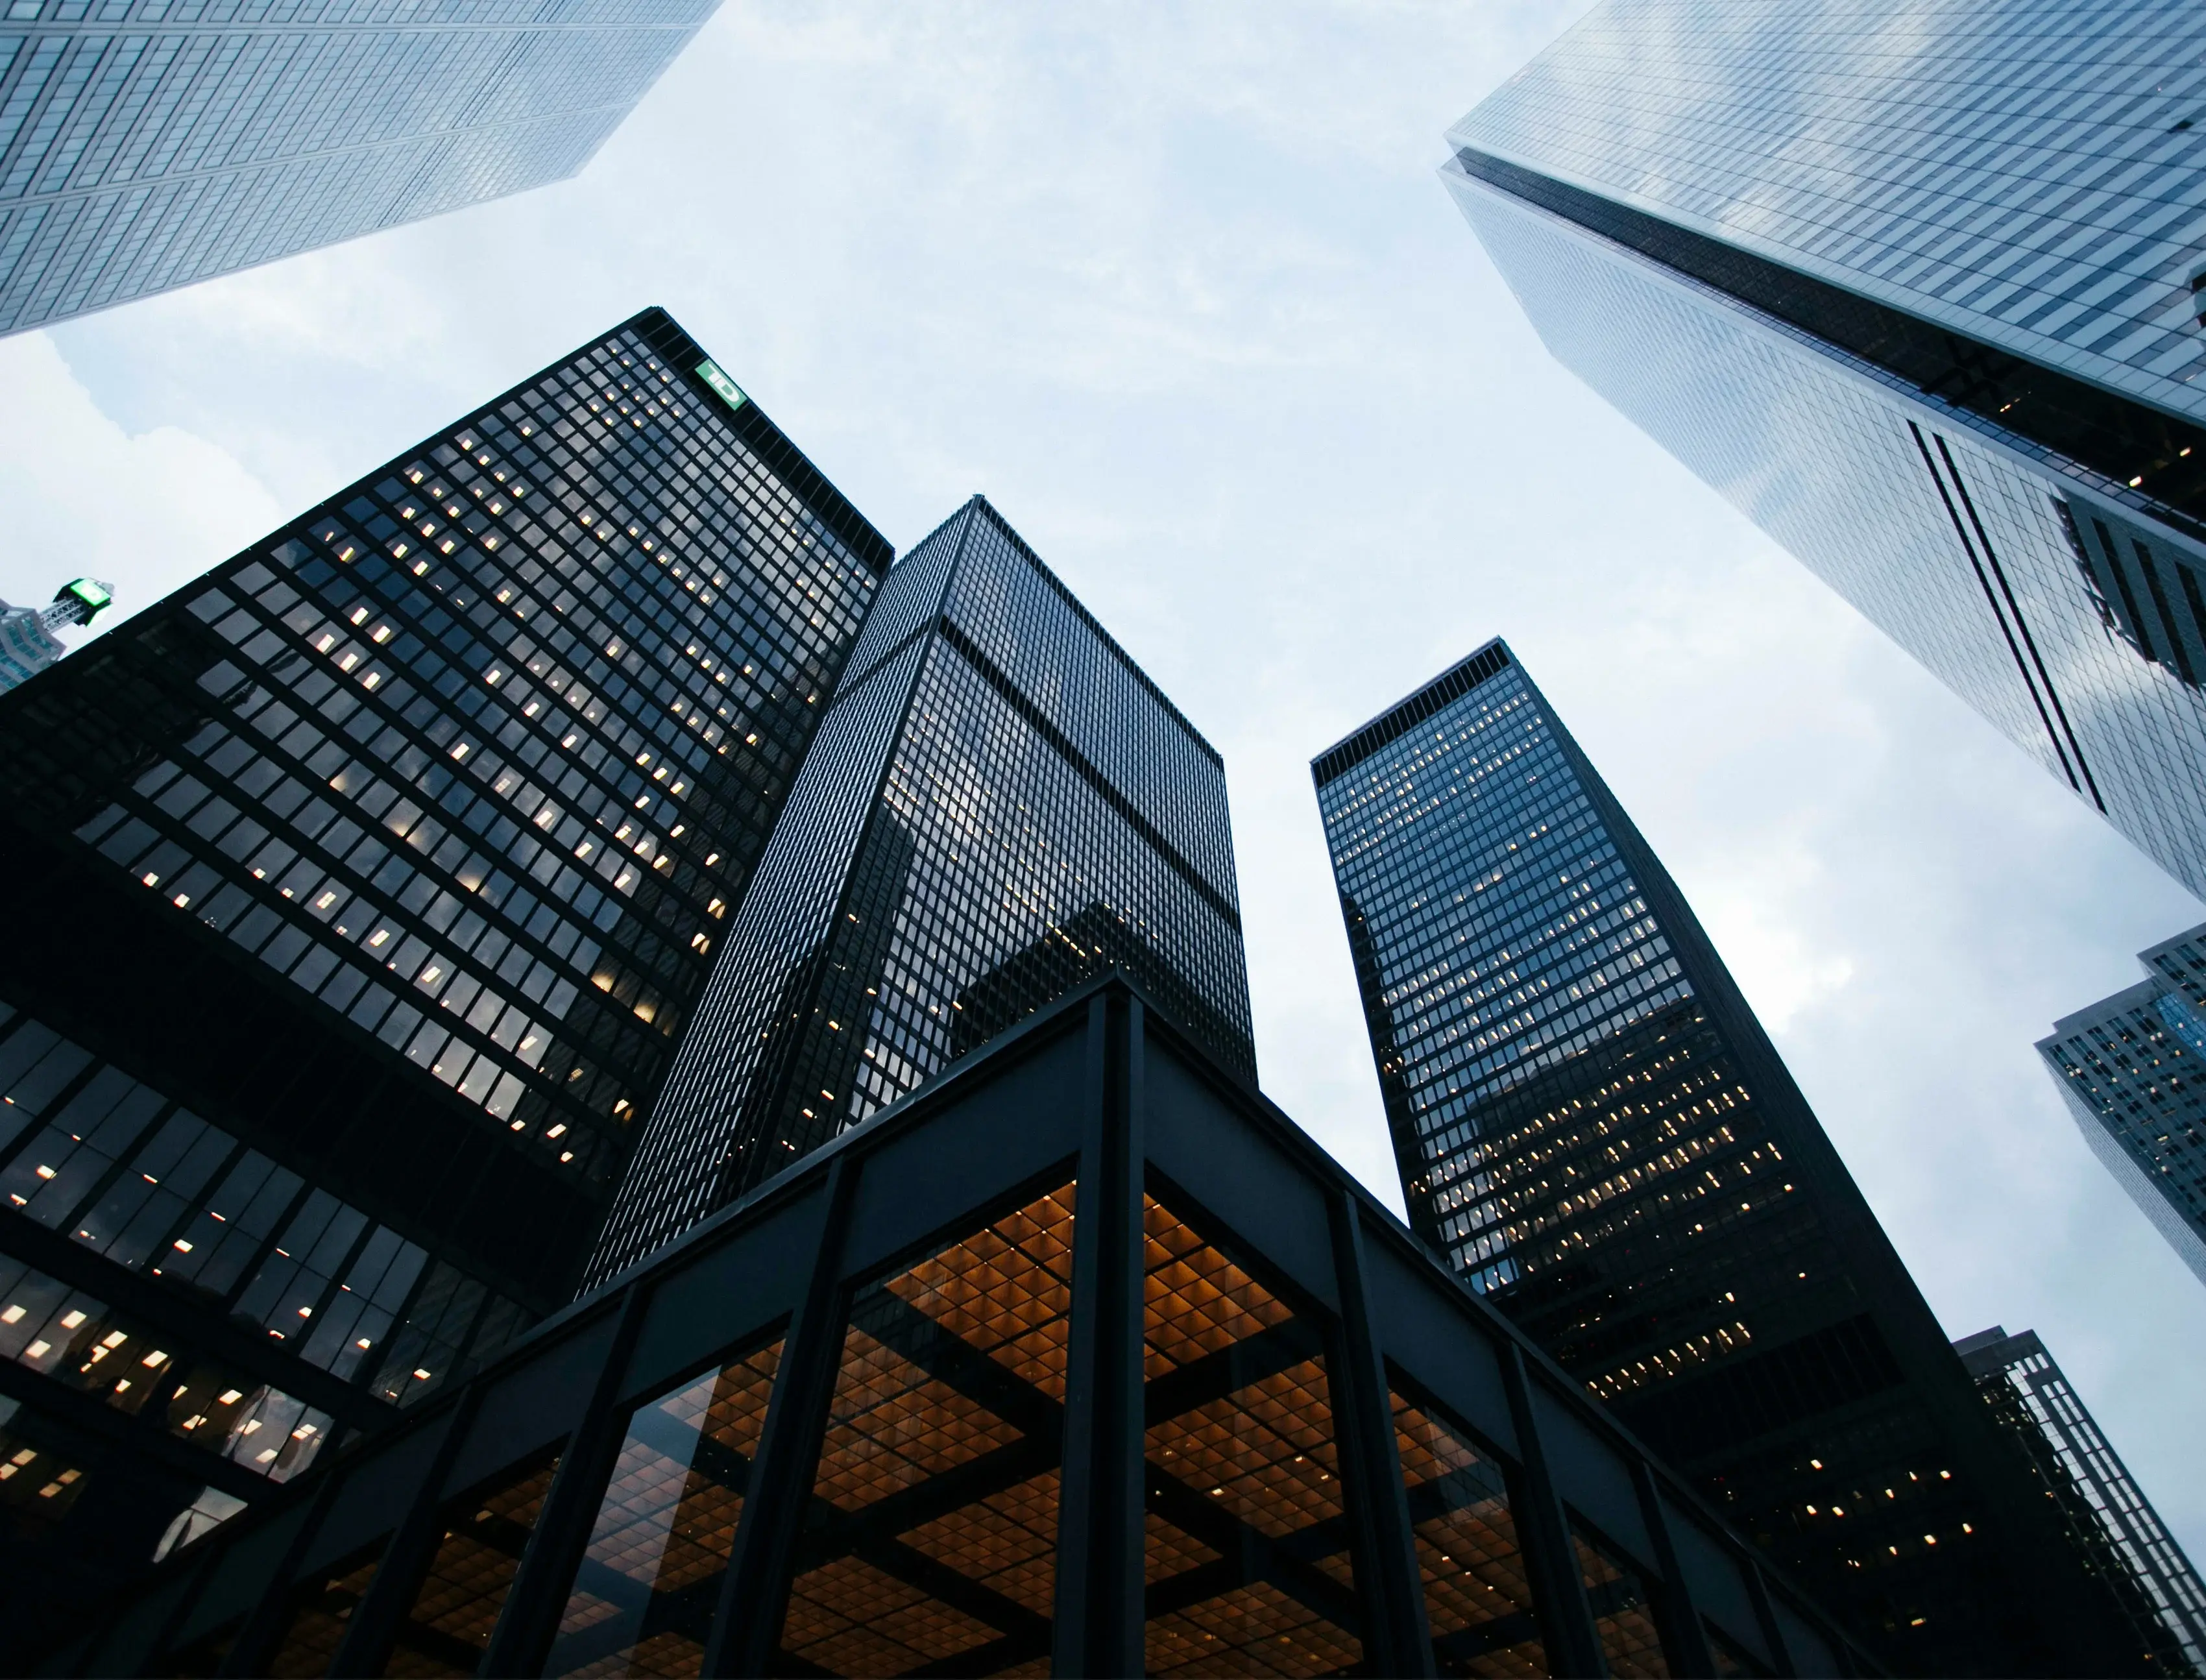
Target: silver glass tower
(2133,1070)
(1921,289)
(146,144)
(2110,1521)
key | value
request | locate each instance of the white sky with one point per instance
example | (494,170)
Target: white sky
(1177,288)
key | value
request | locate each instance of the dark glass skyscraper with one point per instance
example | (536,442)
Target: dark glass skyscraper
(2133,1068)
(357,895)
(2112,1524)
(1593,1128)
(999,804)
(146,144)
(1920,286)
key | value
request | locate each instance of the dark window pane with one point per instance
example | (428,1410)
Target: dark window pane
(1247,1539)
(448,1627)
(1622,1611)
(643,1599)
(935,1500)
(1477,1597)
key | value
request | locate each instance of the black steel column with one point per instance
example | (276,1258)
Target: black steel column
(1566,1624)
(1780,1657)
(754,1592)
(199,1576)
(530,1614)
(1685,1641)
(265,1623)
(1099,1612)
(1397,1637)
(372,1628)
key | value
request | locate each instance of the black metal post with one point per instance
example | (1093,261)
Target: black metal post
(527,1621)
(172,1623)
(1397,1636)
(1780,1657)
(1543,1530)
(372,1628)
(753,1593)
(1685,1641)
(1099,1613)
(265,1624)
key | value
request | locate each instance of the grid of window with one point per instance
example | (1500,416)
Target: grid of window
(1590,1130)
(2128,1069)
(2032,1396)
(997,805)
(480,753)
(1997,565)
(126,1174)
(2025,173)
(436,802)
(1498,935)
(146,144)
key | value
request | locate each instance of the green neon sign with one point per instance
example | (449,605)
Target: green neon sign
(730,392)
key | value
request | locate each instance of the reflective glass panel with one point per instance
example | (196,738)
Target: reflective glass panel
(643,1599)
(1477,1597)
(449,1627)
(933,1531)
(1246,1548)
(1622,1610)
(320,1609)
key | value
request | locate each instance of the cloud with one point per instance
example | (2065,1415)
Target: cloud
(144,513)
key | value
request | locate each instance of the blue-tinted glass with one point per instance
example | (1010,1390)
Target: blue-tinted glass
(167,140)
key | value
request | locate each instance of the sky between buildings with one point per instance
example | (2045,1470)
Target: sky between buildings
(1177,288)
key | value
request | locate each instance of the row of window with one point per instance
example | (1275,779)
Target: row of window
(115,1165)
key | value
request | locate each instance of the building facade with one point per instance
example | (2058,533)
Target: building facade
(1083,1360)
(999,804)
(357,894)
(2132,1069)
(2112,1523)
(29,636)
(146,144)
(1921,289)
(1593,1128)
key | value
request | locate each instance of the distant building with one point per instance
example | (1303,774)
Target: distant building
(2112,1523)
(1000,804)
(356,897)
(1594,1130)
(1920,286)
(144,144)
(2133,1070)
(28,641)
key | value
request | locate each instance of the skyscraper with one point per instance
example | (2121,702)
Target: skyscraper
(28,643)
(1000,803)
(2107,1514)
(1921,289)
(2133,1068)
(145,144)
(1593,1128)
(357,895)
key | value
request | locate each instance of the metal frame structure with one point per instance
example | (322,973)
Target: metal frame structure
(1098,1109)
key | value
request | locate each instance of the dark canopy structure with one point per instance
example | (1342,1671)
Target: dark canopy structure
(1081,1360)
